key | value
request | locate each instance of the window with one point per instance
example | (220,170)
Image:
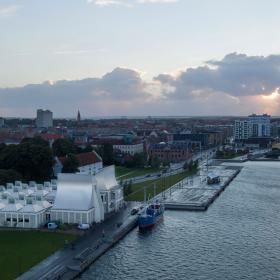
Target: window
(8,219)
(20,220)
(14,219)
(26,220)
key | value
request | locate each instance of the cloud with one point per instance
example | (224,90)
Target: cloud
(8,11)
(234,75)
(236,84)
(115,88)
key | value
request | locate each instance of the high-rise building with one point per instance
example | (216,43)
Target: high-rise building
(260,125)
(44,118)
(254,126)
(241,129)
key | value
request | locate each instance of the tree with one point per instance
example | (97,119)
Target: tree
(70,164)
(107,154)
(186,166)
(9,176)
(139,160)
(37,140)
(33,162)
(63,147)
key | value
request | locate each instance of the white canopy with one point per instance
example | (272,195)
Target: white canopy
(106,178)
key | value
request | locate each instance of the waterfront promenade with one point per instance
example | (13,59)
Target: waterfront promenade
(69,262)
(194,193)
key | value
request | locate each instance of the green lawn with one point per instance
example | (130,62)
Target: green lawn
(20,250)
(162,184)
(126,173)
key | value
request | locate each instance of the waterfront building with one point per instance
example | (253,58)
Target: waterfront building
(44,118)
(111,191)
(78,200)
(84,198)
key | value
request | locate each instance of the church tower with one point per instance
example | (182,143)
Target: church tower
(79,116)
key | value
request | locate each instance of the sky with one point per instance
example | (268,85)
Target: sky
(139,57)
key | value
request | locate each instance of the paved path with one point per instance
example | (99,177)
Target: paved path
(65,256)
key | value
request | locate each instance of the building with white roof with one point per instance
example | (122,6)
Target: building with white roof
(73,199)
(77,200)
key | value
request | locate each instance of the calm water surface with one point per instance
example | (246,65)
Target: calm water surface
(237,238)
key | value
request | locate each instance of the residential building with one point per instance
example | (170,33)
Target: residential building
(260,125)
(89,163)
(125,143)
(44,118)
(171,152)
(241,129)
(253,127)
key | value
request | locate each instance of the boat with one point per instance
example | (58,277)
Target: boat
(151,215)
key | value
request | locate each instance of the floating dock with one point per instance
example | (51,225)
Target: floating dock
(196,194)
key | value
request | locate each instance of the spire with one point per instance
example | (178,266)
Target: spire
(78,116)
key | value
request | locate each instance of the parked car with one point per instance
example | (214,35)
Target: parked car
(83,226)
(134,211)
(52,225)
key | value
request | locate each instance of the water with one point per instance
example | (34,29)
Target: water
(237,238)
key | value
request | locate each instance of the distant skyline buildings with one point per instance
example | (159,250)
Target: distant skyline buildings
(44,118)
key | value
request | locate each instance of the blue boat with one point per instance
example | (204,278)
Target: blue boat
(152,215)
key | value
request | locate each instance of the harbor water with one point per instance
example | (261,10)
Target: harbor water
(238,237)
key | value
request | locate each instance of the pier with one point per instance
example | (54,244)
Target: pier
(194,194)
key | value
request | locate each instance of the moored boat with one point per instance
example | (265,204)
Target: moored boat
(152,215)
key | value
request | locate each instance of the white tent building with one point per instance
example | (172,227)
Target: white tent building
(77,200)
(86,198)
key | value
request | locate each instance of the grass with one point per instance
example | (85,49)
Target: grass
(20,250)
(126,173)
(162,184)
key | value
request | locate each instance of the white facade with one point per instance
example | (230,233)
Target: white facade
(241,130)
(78,200)
(111,192)
(44,118)
(73,199)
(131,149)
(254,126)
(21,207)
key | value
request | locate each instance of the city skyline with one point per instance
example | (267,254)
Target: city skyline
(186,58)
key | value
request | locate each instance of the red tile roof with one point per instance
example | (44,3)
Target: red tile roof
(85,158)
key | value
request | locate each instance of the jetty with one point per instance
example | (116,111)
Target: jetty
(195,194)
